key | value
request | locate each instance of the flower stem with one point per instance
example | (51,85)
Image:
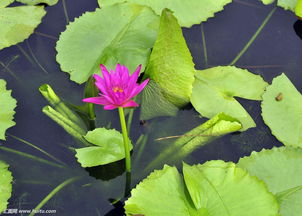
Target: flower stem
(126,138)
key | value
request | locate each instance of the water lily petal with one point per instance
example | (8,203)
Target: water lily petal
(138,88)
(130,104)
(97,100)
(110,107)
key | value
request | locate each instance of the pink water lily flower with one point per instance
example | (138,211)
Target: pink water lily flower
(117,87)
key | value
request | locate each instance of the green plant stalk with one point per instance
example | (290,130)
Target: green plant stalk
(37,148)
(32,157)
(91,116)
(126,138)
(55,101)
(52,193)
(204,46)
(253,38)
(73,129)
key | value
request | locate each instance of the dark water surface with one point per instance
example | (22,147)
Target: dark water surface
(277,49)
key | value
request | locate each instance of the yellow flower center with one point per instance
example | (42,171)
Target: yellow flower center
(118,89)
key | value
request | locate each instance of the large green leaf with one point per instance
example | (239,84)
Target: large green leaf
(18,23)
(5,185)
(216,189)
(188,12)
(286,4)
(7,106)
(4,3)
(281,169)
(154,103)
(214,90)
(170,64)
(282,111)
(298,8)
(224,189)
(162,193)
(109,147)
(121,33)
(34,2)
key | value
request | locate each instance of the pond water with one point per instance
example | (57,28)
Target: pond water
(32,63)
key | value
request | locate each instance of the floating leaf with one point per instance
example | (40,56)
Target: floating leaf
(188,13)
(7,106)
(170,64)
(224,189)
(214,90)
(150,107)
(216,189)
(282,111)
(121,33)
(298,8)
(286,4)
(109,147)
(34,2)
(18,23)
(162,193)
(5,185)
(281,169)
(4,3)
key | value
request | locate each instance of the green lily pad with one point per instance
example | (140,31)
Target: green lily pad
(18,23)
(151,108)
(224,189)
(171,65)
(109,147)
(282,111)
(281,169)
(188,13)
(121,33)
(298,8)
(34,2)
(4,3)
(7,104)
(163,192)
(5,185)
(215,188)
(286,4)
(214,90)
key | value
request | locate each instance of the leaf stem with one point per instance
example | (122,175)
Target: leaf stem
(253,38)
(126,138)
(51,194)
(37,148)
(41,160)
(65,11)
(204,46)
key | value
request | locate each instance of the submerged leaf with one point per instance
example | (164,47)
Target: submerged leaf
(7,106)
(171,65)
(34,2)
(188,12)
(214,90)
(282,111)
(224,189)
(121,33)
(5,185)
(151,107)
(109,147)
(18,23)
(214,128)
(281,169)
(216,188)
